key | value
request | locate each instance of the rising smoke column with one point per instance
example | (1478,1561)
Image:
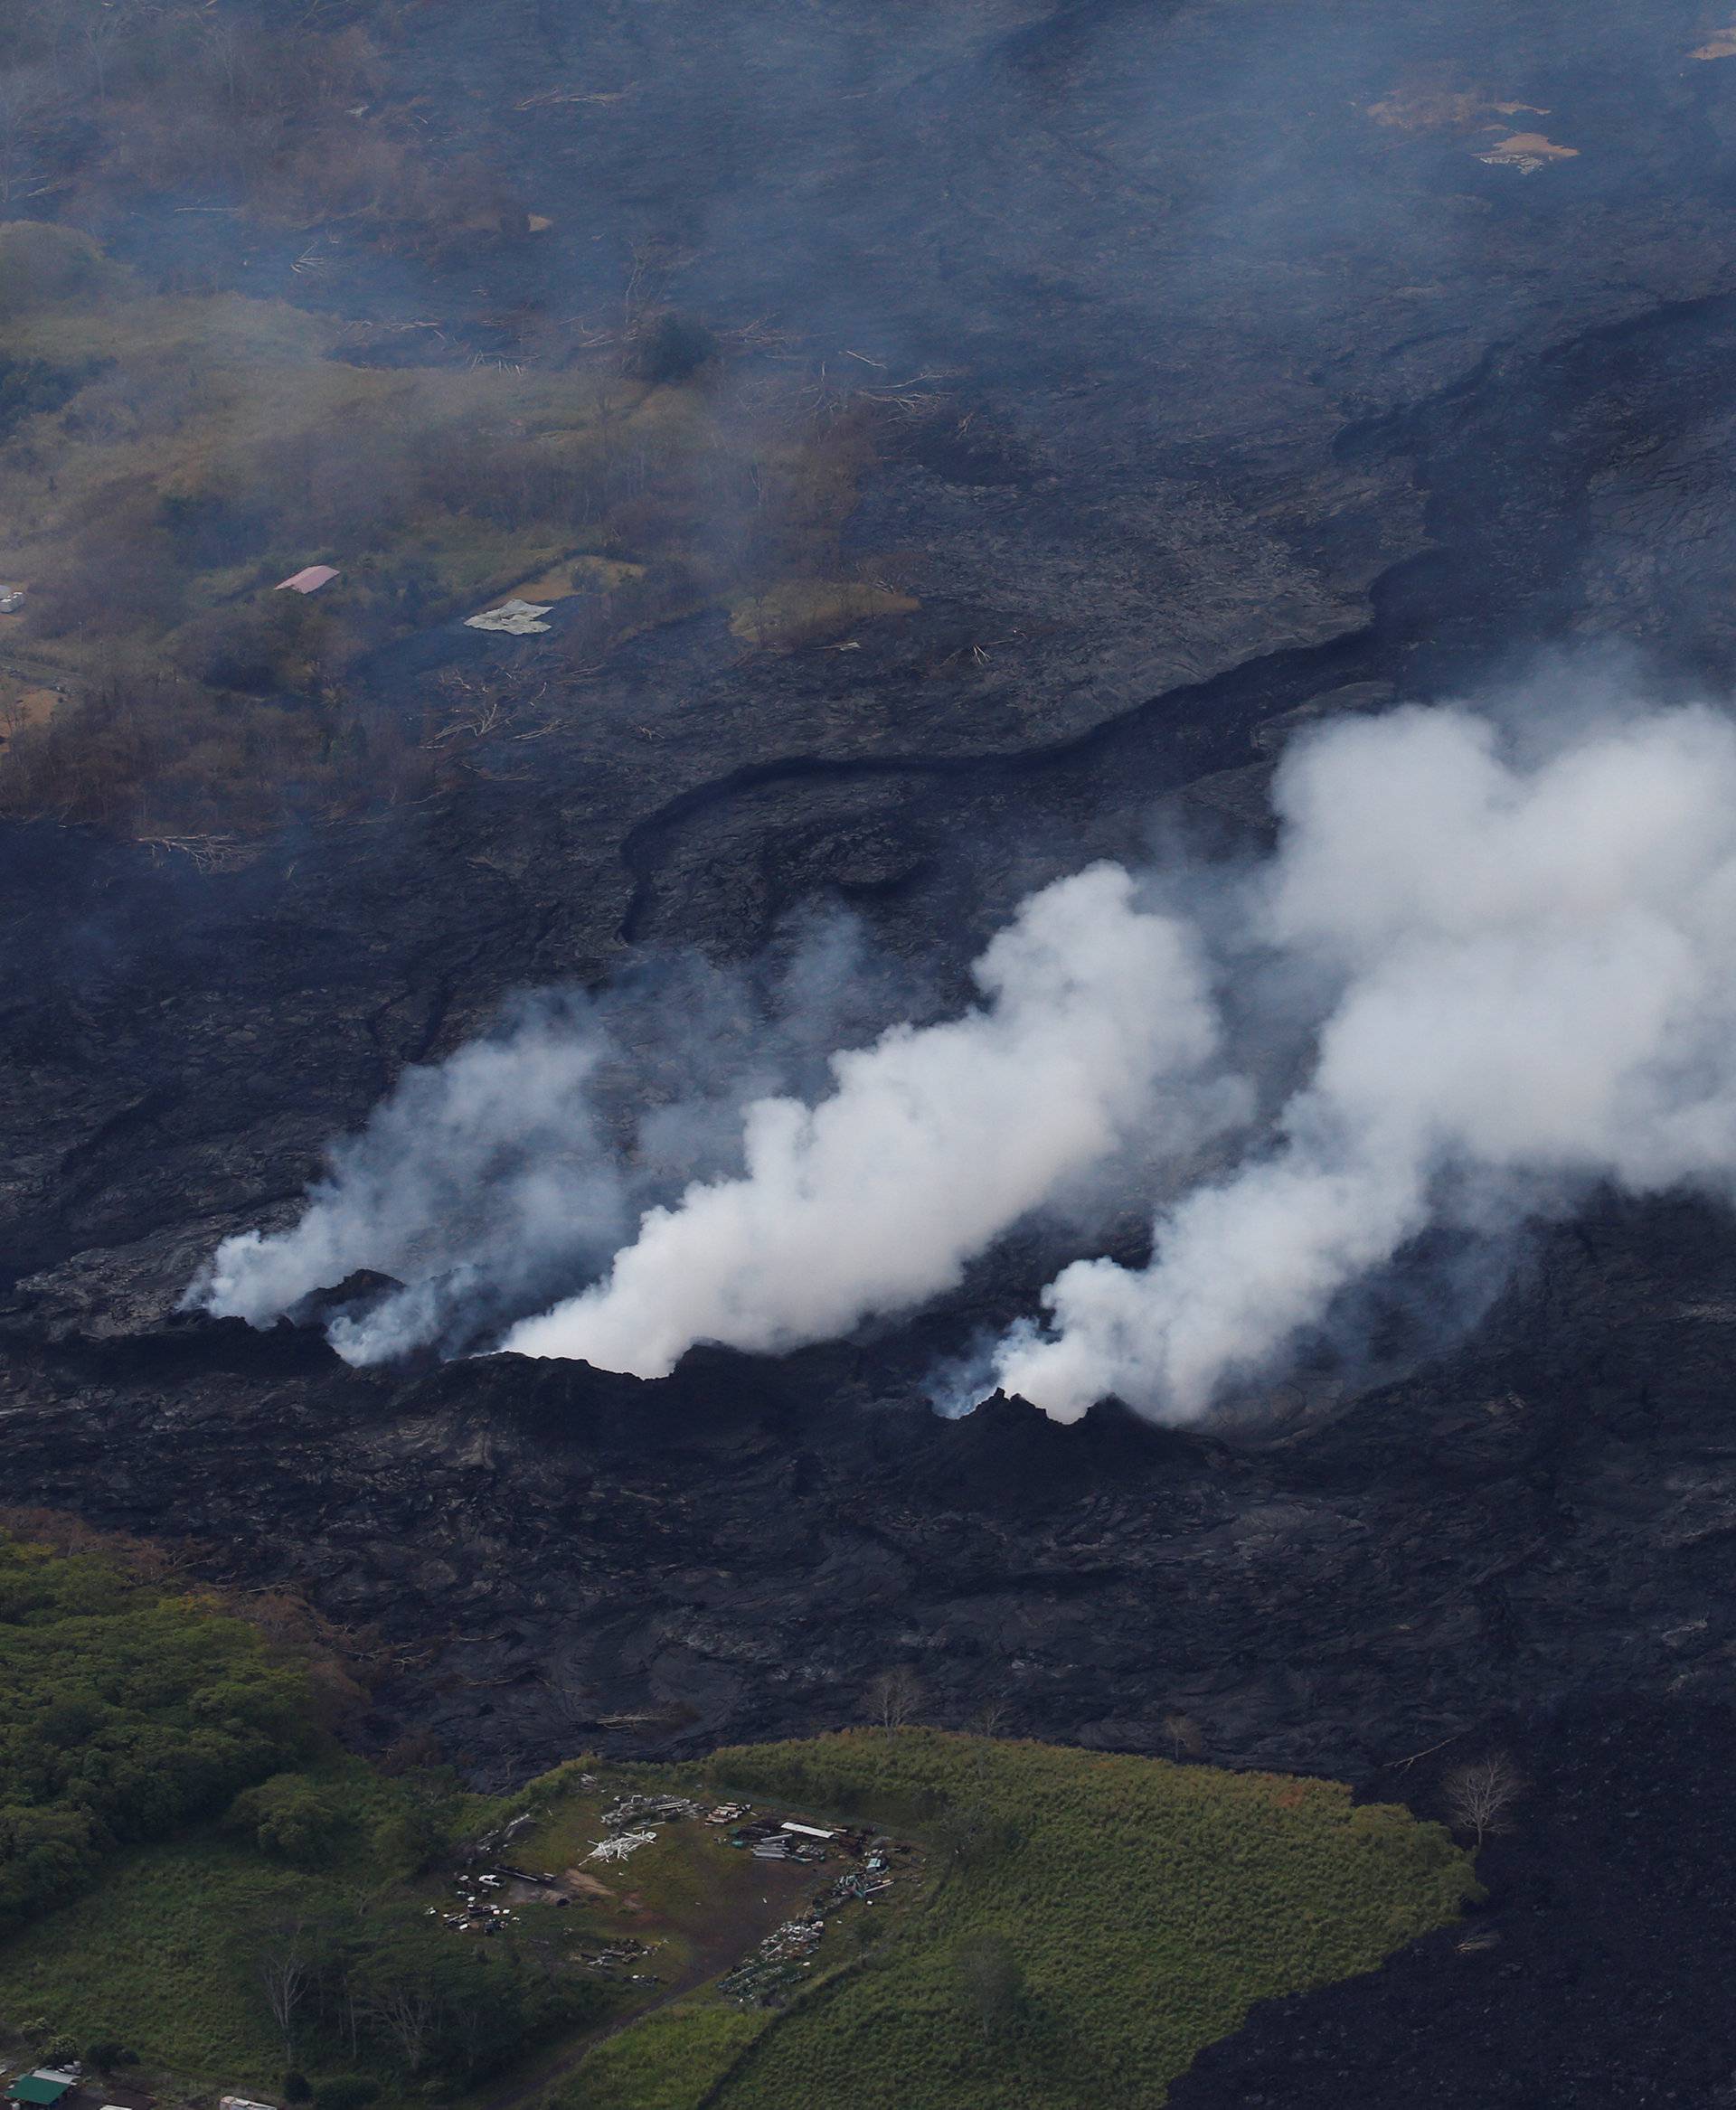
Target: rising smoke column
(1527,979)
(471,1182)
(1510,975)
(935,1140)
(496,1181)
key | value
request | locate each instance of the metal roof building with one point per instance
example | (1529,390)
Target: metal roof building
(40,2088)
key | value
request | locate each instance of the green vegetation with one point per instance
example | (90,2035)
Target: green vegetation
(673,2061)
(1105,1917)
(128,1709)
(184,1950)
(238,1900)
(255,1901)
(149,1959)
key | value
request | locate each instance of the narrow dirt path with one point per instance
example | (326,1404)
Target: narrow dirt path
(786,1891)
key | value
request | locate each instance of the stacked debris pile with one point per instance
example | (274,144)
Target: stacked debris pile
(489,1845)
(784,1839)
(619,1844)
(631,1822)
(766,1977)
(855,1886)
(639,1810)
(614,1959)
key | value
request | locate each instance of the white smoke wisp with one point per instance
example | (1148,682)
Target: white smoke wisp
(473,1176)
(1097,1021)
(1528,977)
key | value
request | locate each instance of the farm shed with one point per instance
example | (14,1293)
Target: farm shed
(41,2089)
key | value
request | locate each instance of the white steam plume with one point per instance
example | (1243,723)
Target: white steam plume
(500,1179)
(1529,982)
(470,1182)
(934,1141)
(1508,975)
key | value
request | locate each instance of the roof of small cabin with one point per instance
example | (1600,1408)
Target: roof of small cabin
(309,580)
(36,2088)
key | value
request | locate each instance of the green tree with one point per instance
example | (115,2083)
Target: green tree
(291,1817)
(990,1982)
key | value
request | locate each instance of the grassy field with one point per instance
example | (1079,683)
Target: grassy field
(671,2061)
(148,1960)
(1144,1907)
(1062,1928)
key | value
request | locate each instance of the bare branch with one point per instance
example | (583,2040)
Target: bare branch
(1480,1796)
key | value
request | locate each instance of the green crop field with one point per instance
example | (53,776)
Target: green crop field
(1143,1908)
(671,2061)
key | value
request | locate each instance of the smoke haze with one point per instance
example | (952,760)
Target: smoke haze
(1509,965)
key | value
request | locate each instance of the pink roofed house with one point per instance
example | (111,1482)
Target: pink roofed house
(309,580)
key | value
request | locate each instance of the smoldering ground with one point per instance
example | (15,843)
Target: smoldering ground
(1481,971)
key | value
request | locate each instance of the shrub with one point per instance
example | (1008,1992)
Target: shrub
(291,1818)
(670,347)
(344,2091)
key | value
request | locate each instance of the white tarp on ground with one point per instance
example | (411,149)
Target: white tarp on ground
(518,619)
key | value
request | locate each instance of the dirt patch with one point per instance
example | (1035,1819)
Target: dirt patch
(578,1884)
(1429,109)
(22,709)
(573,575)
(1426,109)
(748,1912)
(1527,151)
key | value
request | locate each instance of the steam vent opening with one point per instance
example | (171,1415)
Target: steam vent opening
(869,1119)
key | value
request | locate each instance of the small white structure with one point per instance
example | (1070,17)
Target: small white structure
(517,618)
(12,599)
(307,581)
(808,1831)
